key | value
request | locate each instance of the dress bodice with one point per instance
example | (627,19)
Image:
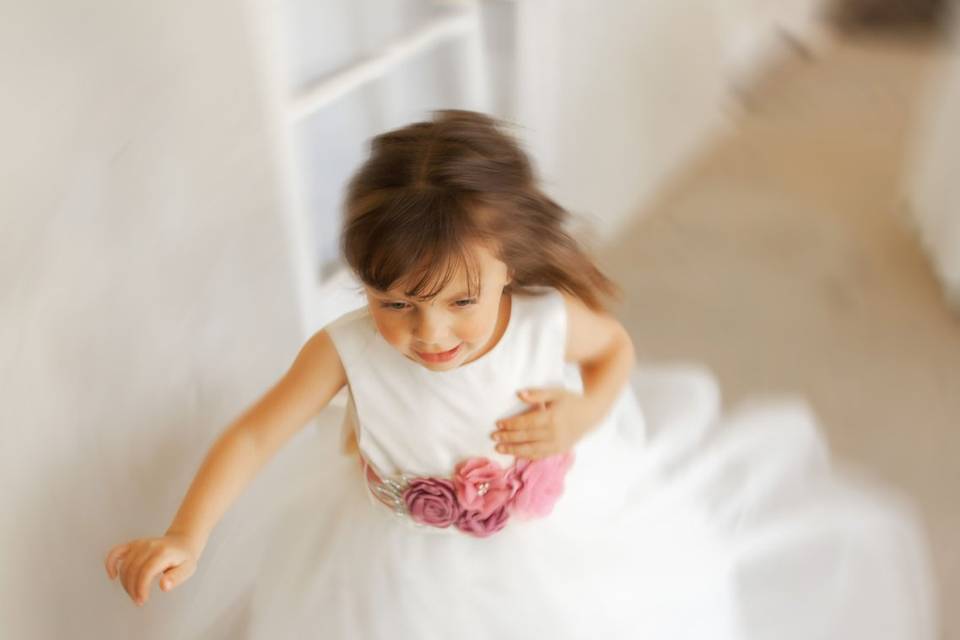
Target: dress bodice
(407,418)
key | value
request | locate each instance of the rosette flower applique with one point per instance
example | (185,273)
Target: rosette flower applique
(481,496)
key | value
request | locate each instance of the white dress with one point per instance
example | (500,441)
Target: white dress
(674,523)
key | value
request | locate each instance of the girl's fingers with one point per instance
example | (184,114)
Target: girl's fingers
(133,578)
(138,562)
(541,396)
(141,582)
(154,565)
(528,420)
(175,575)
(116,554)
(517,435)
(530,451)
(128,570)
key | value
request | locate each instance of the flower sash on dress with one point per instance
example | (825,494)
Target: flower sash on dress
(480,498)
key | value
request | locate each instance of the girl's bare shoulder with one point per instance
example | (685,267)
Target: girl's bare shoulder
(589,332)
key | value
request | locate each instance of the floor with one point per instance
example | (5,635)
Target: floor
(784,259)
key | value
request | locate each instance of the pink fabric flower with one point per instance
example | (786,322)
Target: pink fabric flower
(481,486)
(432,501)
(472,523)
(540,484)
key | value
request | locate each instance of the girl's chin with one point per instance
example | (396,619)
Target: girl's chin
(439,366)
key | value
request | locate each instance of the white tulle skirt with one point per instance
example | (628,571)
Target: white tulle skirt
(676,523)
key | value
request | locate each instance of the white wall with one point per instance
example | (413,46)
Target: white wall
(145,292)
(933,188)
(615,97)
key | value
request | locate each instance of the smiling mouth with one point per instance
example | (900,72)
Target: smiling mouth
(439,356)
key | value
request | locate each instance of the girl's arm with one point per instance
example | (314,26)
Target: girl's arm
(239,453)
(603,349)
(251,441)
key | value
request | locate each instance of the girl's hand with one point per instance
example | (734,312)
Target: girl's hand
(556,421)
(173,557)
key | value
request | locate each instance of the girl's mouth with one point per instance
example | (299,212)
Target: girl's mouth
(439,356)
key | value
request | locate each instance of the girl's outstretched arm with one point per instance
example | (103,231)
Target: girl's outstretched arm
(600,345)
(239,453)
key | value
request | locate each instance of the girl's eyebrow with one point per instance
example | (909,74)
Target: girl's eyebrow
(458,296)
(386,295)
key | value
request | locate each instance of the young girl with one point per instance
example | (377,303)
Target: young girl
(497,478)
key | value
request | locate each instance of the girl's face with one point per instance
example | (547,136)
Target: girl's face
(452,328)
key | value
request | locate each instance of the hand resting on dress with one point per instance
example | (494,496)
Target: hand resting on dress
(553,424)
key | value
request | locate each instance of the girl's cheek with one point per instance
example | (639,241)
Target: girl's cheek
(475,330)
(393,332)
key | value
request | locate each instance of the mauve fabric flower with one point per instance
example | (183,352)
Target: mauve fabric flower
(540,484)
(481,486)
(432,501)
(472,523)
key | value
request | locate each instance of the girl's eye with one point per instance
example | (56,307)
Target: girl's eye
(466,302)
(397,306)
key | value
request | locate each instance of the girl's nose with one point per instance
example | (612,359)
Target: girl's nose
(428,330)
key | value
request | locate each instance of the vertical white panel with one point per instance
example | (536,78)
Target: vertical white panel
(348,64)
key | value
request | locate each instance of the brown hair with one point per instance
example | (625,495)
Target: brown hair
(431,189)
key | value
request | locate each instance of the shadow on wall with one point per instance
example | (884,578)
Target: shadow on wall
(858,15)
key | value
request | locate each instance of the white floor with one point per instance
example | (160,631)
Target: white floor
(784,260)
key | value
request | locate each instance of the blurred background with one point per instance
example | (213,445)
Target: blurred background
(774,183)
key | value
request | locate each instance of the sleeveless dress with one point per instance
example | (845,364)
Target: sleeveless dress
(674,522)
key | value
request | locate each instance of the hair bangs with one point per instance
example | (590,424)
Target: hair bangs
(420,242)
